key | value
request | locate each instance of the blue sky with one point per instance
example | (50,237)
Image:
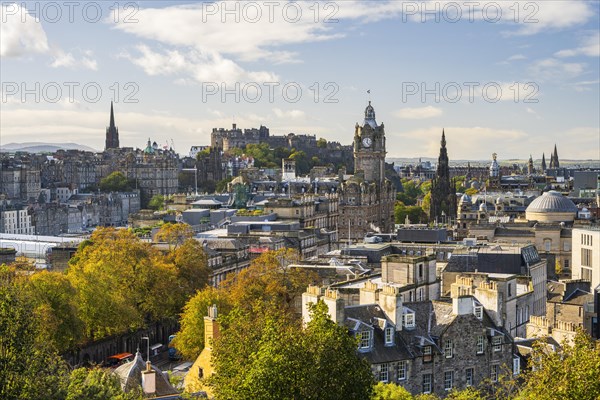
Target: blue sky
(185,64)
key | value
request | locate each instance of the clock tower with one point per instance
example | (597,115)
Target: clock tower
(367,199)
(369,148)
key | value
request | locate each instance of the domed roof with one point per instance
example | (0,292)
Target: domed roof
(465,198)
(552,202)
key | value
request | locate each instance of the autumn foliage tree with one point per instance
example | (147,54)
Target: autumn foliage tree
(270,355)
(268,280)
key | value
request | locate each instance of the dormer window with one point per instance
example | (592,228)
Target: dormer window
(365,339)
(389,336)
(478,311)
(408,320)
(427,354)
(497,343)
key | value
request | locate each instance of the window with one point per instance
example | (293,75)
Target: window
(409,320)
(389,335)
(383,372)
(401,370)
(469,372)
(420,294)
(448,348)
(480,344)
(509,289)
(547,244)
(497,343)
(478,312)
(516,366)
(448,380)
(494,373)
(365,339)
(427,380)
(427,356)
(420,271)
(586,257)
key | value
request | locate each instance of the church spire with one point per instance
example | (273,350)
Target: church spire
(443,138)
(112,116)
(555,156)
(543,162)
(112,132)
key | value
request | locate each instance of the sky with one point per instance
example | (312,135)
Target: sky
(506,77)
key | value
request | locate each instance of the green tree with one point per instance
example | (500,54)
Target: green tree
(157,202)
(322,143)
(96,384)
(121,282)
(191,265)
(277,359)
(267,282)
(390,391)
(53,297)
(188,342)
(415,213)
(116,182)
(29,367)
(572,373)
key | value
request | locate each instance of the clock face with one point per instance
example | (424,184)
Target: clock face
(367,142)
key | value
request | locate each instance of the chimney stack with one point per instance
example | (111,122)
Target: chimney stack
(149,379)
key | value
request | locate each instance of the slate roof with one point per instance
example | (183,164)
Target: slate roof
(130,375)
(374,317)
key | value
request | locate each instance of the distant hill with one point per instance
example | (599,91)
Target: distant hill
(41,147)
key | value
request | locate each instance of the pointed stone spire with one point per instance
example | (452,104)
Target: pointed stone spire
(543,162)
(112,116)
(443,138)
(555,156)
(112,132)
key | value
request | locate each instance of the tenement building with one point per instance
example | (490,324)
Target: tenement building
(426,347)
(367,198)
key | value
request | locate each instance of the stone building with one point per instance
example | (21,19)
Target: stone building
(367,198)
(426,347)
(586,255)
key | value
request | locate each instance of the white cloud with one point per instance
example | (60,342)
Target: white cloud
(21,34)
(552,68)
(590,47)
(418,113)
(516,57)
(67,60)
(208,66)
(586,86)
(291,114)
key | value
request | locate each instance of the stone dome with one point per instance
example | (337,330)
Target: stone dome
(551,207)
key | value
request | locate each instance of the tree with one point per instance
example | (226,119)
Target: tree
(189,341)
(415,213)
(571,373)
(96,384)
(116,182)
(174,234)
(267,282)
(277,359)
(322,143)
(191,265)
(29,367)
(157,202)
(53,298)
(121,282)
(390,391)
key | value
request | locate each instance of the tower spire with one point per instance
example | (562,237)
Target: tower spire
(112,116)
(112,132)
